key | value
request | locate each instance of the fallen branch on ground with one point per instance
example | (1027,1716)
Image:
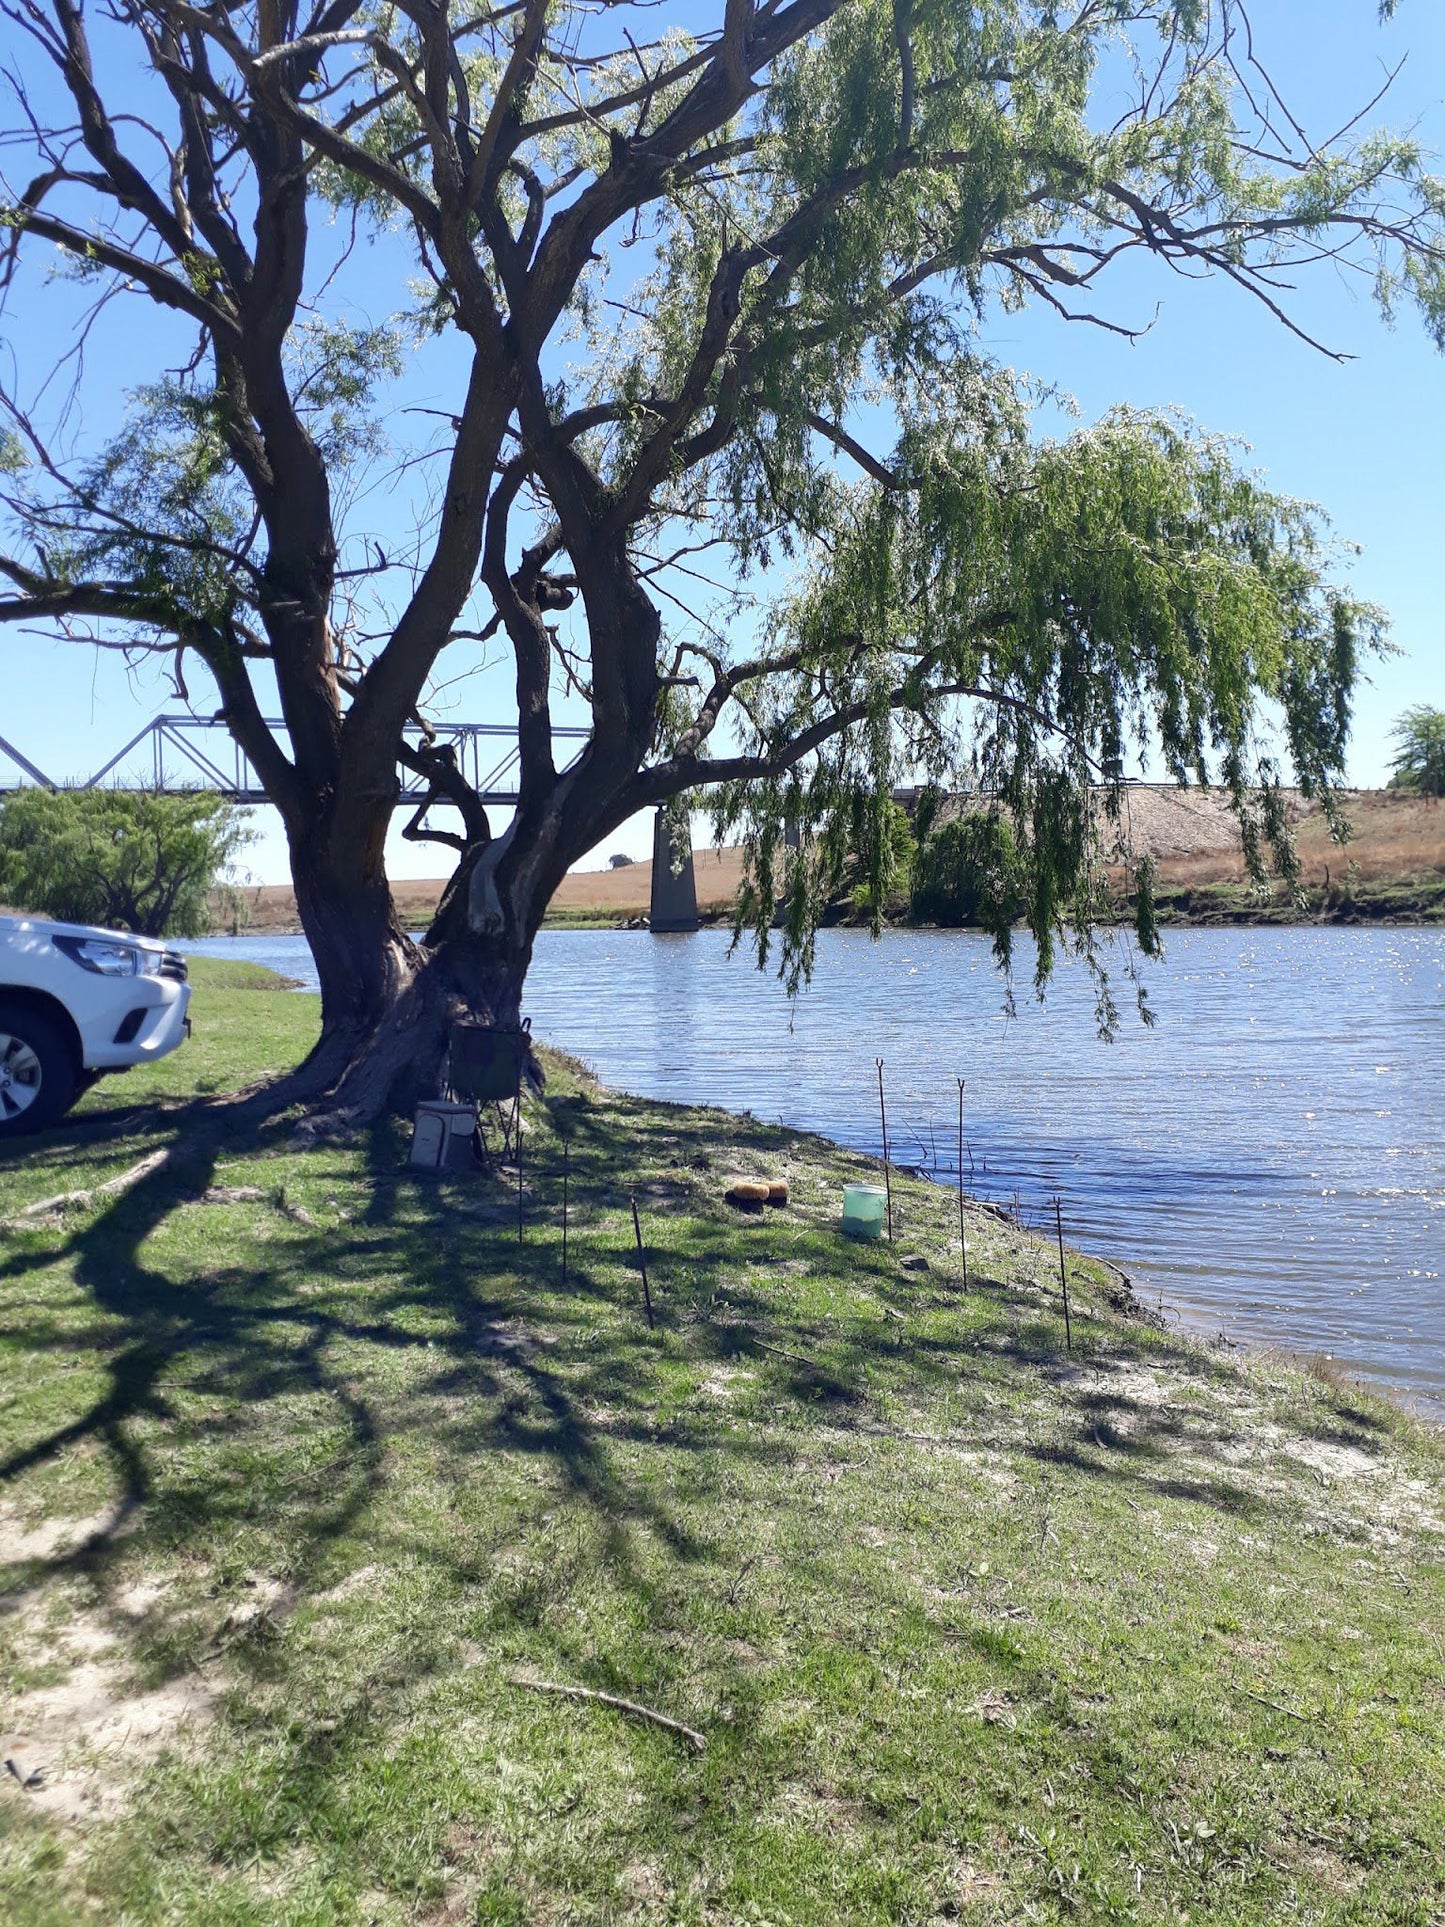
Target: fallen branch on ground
(1274,1706)
(630,1707)
(795,1358)
(740,1330)
(65,1200)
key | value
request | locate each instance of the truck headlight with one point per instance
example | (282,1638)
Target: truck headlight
(105,959)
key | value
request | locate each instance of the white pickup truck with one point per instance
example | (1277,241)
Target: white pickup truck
(74,1004)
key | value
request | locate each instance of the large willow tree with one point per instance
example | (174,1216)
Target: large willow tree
(711,289)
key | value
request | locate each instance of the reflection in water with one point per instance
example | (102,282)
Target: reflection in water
(1270,1158)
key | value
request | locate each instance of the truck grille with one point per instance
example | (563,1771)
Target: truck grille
(173,965)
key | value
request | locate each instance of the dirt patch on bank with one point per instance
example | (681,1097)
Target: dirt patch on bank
(76,1722)
(72,1749)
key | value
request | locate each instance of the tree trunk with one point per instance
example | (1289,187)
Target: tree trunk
(388,1003)
(403,1058)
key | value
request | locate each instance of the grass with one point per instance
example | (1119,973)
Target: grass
(1410,899)
(567,919)
(234,973)
(309,1461)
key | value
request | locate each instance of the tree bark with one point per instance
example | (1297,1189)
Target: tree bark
(389,1001)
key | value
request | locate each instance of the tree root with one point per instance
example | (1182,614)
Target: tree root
(297,1213)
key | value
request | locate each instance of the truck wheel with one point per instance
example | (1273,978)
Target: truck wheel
(38,1077)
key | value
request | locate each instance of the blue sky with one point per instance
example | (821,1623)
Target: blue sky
(1363,438)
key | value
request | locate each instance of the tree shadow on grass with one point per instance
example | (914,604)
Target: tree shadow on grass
(162,1344)
(1340,1419)
(200,1362)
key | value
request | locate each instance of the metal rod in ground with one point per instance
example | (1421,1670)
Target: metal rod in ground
(642,1265)
(519,1148)
(887,1175)
(1063,1274)
(962,1239)
(564,1212)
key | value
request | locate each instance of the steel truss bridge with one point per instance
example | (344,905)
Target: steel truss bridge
(187,753)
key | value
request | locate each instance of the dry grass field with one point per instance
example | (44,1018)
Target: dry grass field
(609,896)
(271,907)
(1393,865)
(1398,846)
(626,893)
(1194,840)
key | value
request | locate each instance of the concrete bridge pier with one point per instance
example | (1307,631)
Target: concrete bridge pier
(674,887)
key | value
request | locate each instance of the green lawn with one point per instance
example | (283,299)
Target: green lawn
(308,1463)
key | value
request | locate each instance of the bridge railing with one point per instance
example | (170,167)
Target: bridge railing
(198,752)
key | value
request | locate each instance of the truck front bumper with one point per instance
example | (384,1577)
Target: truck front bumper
(148,1022)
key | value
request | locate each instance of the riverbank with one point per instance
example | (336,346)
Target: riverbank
(1392,870)
(317,1477)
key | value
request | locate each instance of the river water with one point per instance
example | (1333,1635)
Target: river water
(1268,1160)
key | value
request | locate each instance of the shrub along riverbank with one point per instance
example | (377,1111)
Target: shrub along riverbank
(314,1474)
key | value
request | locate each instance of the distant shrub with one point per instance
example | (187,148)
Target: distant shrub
(968,871)
(1419,760)
(126,859)
(878,870)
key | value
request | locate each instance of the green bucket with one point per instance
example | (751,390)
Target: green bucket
(864,1209)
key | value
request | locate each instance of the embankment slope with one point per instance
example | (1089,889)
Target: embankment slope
(1393,866)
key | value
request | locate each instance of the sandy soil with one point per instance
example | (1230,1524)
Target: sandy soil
(72,1746)
(1193,838)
